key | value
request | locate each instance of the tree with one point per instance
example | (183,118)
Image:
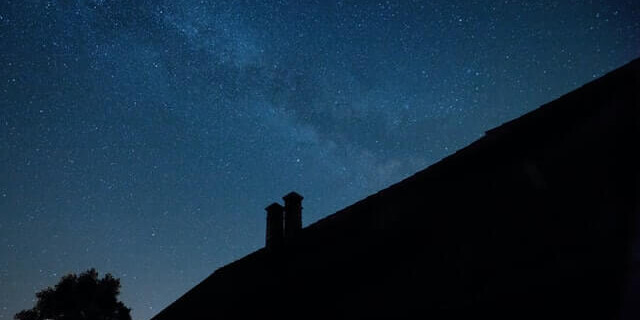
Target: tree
(79,297)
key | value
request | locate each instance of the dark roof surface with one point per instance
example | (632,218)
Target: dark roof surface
(519,136)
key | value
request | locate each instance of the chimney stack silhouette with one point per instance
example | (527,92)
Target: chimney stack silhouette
(275,225)
(292,214)
(283,222)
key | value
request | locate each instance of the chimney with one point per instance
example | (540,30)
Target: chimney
(292,214)
(275,225)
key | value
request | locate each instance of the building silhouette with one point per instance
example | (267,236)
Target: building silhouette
(536,219)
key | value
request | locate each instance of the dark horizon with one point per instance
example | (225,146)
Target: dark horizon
(146,139)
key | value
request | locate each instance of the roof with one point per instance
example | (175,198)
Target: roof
(521,137)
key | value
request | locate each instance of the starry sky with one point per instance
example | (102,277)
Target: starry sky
(145,138)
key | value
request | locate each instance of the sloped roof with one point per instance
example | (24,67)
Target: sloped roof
(547,119)
(517,135)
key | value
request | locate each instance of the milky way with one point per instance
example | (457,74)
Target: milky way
(146,139)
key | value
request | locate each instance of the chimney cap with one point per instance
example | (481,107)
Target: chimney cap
(274,206)
(292,196)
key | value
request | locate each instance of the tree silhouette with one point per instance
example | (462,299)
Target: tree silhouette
(77,297)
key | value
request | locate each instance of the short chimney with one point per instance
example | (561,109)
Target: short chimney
(275,225)
(292,214)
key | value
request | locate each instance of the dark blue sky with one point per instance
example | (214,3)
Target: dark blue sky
(145,139)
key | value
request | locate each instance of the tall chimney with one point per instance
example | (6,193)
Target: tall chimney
(292,214)
(275,225)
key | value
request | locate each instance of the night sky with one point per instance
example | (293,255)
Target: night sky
(146,139)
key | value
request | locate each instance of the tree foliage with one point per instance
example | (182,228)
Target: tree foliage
(79,297)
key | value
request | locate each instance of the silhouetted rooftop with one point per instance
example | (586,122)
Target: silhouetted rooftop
(528,163)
